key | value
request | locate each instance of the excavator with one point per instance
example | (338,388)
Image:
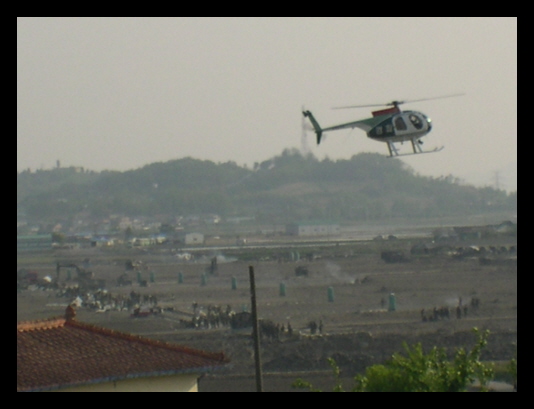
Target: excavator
(84,277)
(81,273)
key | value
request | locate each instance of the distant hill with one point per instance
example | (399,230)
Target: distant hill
(285,188)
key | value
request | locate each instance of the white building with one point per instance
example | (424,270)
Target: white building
(313,228)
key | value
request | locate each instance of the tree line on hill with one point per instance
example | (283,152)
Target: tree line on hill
(285,188)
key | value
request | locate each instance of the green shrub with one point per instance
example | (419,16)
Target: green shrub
(419,372)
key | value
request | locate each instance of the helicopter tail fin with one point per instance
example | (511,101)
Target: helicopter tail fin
(316,126)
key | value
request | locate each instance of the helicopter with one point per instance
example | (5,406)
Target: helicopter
(389,125)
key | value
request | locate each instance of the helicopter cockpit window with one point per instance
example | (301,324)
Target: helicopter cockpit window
(379,130)
(416,121)
(400,124)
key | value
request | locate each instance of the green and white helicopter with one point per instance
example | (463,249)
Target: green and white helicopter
(390,125)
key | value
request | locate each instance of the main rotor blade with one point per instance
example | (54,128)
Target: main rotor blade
(395,103)
(429,99)
(360,106)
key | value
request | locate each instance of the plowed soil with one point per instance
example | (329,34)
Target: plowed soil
(347,291)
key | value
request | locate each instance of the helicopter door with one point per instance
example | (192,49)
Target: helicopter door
(400,125)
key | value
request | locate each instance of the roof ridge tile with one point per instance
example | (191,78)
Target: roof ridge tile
(219,356)
(47,323)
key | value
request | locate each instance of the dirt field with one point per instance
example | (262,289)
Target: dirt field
(347,291)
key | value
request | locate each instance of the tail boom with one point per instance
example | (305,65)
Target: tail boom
(316,126)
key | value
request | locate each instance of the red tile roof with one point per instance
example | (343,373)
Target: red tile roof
(56,353)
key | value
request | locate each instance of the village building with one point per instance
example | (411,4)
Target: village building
(65,355)
(191,239)
(313,228)
(212,219)
(142,241)
(103,241)
(34,242)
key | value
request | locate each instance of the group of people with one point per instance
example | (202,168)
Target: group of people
(442,313)
(315,328)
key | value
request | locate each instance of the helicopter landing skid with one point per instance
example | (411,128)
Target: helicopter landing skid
(393,152)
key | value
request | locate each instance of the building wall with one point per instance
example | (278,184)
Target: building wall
(169,383)
(34,242)
(312,229)
(194,238)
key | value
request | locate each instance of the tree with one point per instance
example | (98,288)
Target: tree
(128,233)
(58,237)
(420,372)
(368,186)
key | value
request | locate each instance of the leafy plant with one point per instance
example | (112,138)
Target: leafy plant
(301,384)
(513,371)
(417,371)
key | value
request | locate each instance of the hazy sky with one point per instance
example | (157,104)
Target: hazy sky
(119,93)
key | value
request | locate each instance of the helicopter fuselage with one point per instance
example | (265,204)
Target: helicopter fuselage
(400,127)
(388,125)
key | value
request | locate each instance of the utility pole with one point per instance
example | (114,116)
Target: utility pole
(255,331)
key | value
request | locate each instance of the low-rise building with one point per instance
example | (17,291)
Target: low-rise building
(191,239)
(313,228)
(65,355)
(34,242)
